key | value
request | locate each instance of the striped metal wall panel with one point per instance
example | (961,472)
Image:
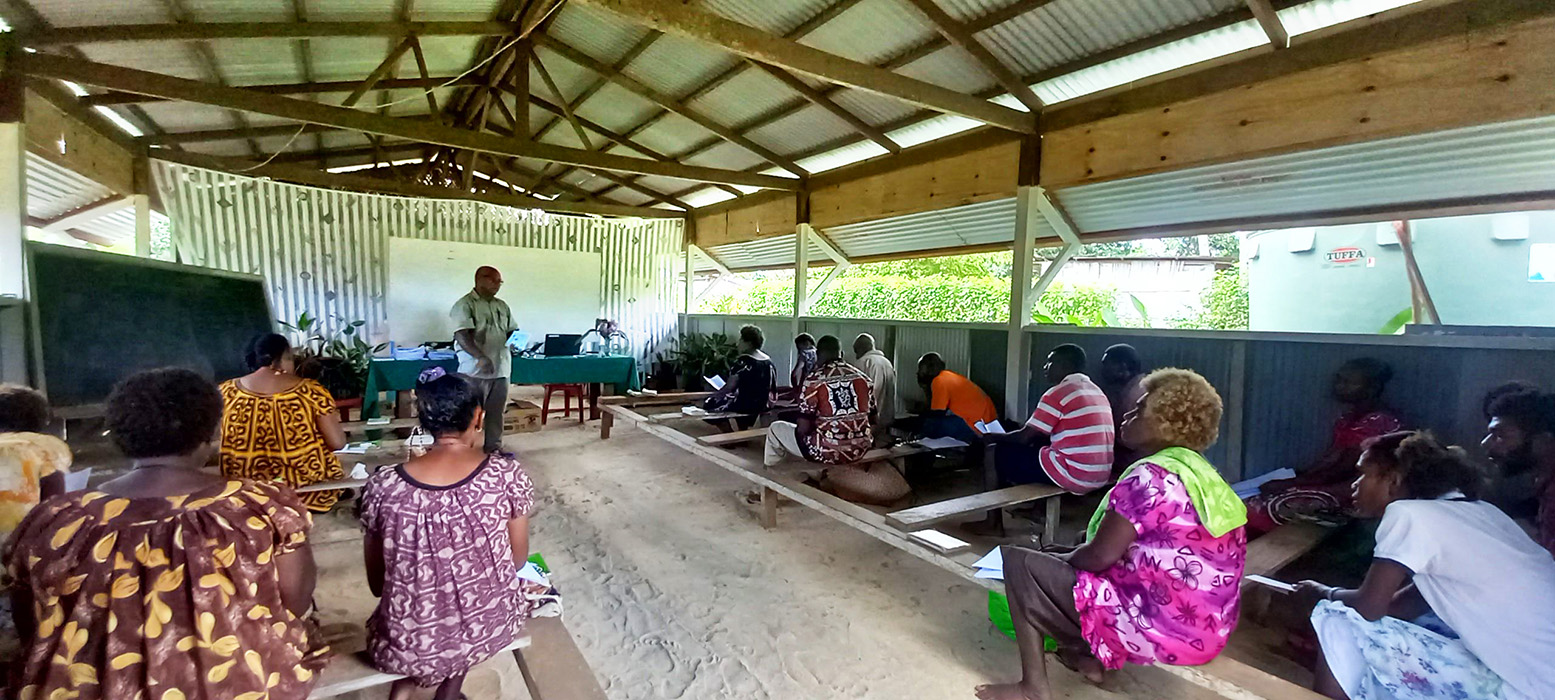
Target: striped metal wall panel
(325,251)
(915,340)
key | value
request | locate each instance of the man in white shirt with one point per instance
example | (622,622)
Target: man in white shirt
(482,324)
(882,375)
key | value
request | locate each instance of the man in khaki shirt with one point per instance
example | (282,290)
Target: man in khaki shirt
(882,376)
(482,324)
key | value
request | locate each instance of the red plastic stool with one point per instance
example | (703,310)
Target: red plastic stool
(568,392)
(345,407)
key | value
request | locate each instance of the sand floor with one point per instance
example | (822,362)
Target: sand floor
(673,590)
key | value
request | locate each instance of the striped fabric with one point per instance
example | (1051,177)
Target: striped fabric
(1078,416)
(326,252)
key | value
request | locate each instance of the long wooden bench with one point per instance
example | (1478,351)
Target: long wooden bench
(361,426)
(607,419)
(547,656)
(734,438)
(927,516)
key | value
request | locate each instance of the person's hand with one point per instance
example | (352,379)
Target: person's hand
(1309,592)
(484,365)
(1269,488)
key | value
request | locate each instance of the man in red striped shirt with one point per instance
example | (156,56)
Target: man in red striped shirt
(1072,426)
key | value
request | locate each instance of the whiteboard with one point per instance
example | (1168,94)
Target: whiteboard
(549,291)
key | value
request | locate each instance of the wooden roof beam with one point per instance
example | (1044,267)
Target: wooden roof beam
(958,34)
(131,80)
(305,88)
(389,63)
(673,17)
(670,103)
(599,84)
(1267,18)
(197,31)
(351,181)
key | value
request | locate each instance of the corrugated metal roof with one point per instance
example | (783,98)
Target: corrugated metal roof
(973,224)
(600,34)
(676,66)
(1507,158)
(239,10)
(725,155)
(672,134)
(805,129)
(951,68)
(872,108)
(614,107)
(772,17)
(1067,30)
(751,94)
(1203,47)
(74,13)
(53,190)
(872,31)
(769,253)
(1317,15)
(117,228)
(351,10)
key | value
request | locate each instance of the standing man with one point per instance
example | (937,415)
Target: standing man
(1521,441)
(482,324)
(1073,427)
(882,375)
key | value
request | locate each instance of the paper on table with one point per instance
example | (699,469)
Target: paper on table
(940,443)
(716,381)
(992,561)
(1249,488)
(355,448)
(938,540)
(76,480)
(994,428)
(381,420)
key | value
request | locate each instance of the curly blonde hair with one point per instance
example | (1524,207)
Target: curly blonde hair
(1182,408)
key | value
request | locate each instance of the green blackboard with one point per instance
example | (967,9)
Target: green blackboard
(100,317)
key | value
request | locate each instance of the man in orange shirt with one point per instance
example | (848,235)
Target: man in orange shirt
(956,405)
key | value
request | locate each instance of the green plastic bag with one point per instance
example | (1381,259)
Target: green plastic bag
(999,615)
(539,561)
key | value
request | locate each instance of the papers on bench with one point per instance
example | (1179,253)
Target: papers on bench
(939,541)
(994,428)
(693,411)
(991,565)
(715,381)
(381,420)
(944,443)
(1249,488)
(355,448)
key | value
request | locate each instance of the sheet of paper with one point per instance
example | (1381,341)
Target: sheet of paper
(1280,586)
(939,540)
(355,448)
(994,428)
(1249,488)
(940,443)
(76,480)
(716,381)
(693,411)
(993,561)
(381,420)
(989,573)
(530,572)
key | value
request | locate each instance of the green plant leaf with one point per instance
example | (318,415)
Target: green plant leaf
(1140,307)
(1395,325)
(1109,317)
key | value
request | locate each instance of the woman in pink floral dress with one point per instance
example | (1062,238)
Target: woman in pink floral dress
(446,533)
(1157,580)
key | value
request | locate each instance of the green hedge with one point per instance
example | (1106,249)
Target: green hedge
(932,298)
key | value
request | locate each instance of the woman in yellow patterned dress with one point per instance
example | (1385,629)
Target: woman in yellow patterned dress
(280,427)
(167,583)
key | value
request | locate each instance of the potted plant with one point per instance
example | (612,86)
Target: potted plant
(699,355)
(338,360)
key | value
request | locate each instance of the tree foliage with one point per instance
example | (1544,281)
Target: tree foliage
(1225,304)
(939,297)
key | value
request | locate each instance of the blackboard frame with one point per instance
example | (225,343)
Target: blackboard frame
(34,322)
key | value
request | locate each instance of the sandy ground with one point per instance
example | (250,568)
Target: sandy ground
(673,590)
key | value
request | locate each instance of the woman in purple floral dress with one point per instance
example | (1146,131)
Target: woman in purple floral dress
(1157,580)
(446,532)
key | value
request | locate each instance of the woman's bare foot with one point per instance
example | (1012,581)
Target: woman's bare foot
(1084,664)
(1009,691)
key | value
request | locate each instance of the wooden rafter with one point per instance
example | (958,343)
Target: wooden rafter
(309,176)
(131,80)
(1270,21)
(207,135)
(673,17)
(958,34)
(556,94)
(815,97)
(670,104)
(206,58)
(303,88)
(390,63)
(212,31)
(601,81)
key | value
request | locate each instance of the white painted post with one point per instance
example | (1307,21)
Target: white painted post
(1017,357)
(802,235)
(13,217)
(142,226)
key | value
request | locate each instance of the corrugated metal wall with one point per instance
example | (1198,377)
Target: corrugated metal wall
(325,251)
(1275,385)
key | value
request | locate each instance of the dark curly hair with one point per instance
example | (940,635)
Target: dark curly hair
(163,413)
(265,349)
(22,409)
(1376,372)
(1531,409)
(752,336)
(446,405)
(1429,468)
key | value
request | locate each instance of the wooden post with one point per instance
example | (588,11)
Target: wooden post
(606,422)
(801,277)
(1017,359)
(142,199)
(13,214)
(769,502)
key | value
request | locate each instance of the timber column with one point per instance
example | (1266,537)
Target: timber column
(1017,357)
(13,215)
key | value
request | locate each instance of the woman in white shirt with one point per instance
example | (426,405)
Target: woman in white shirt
(1459,602)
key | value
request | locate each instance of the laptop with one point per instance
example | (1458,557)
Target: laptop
(563,344)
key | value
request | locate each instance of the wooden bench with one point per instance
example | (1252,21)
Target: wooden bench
(734,438)
(547,656)
(927,516)
(607,419)
(358,426)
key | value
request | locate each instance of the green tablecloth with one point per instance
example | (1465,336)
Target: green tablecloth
(400,375)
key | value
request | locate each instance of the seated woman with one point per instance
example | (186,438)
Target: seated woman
(1480,592)
(752,380)
(277,426)
(32,463)
(168,581)
(1157,578)
(446,535)
(1323,489)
